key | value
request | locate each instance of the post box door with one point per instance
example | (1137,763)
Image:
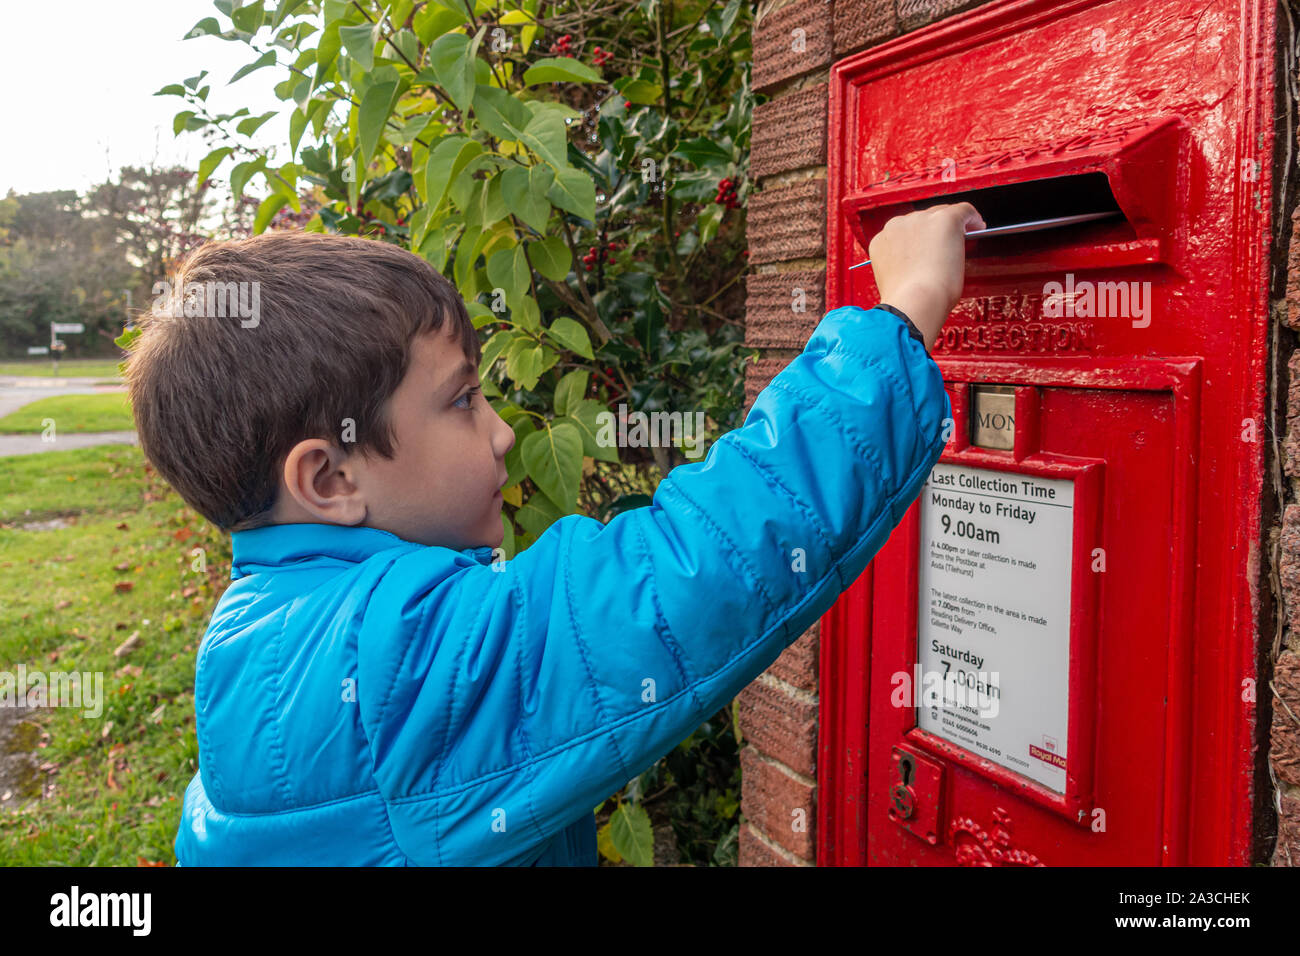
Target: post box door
(1042,565)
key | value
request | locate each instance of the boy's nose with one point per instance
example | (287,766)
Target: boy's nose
(505,435)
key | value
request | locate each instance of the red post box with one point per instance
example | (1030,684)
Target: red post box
(1052,660)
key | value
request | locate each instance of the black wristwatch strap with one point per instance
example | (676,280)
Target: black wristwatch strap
(912,329)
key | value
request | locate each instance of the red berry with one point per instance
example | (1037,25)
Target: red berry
(627,104)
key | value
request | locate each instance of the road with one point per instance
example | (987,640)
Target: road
(15,392)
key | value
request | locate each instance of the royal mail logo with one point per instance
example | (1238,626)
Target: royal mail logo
(1056,760)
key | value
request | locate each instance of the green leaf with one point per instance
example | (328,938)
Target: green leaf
(574,191)
(569,334)
(285,8)
(527,315)
(297,126)
(466,193)
(493,204)
(551,257)
(376,106)
(208,26)
(251,125)
(181,120)
(269,207)
(700,150)
(708,222)
(507,269)
(524,362)
(546,136)
(211,161)
(248,18)
(433,20)
(500,113)
(242,173)
(514,17)
(327,52)
(553,457)
(359,41)
(569,391)
(480,315)
(639,91)
(494,348)
(450,60)
(560,69)
(266,59)
(507,535)
(605,844)
(524,190)
(171,89)
(449,157)
(586,415)
(631,834)
(407,43)
(538,513)
(467,251)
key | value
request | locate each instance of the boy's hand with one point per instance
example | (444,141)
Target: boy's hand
(920,260)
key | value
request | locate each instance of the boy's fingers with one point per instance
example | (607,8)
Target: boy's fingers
(969,216)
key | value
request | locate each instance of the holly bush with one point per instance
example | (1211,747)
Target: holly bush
(575,168)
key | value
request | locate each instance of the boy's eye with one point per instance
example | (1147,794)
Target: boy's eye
(468,398)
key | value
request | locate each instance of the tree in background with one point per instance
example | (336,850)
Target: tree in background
(56,265)
(94,258)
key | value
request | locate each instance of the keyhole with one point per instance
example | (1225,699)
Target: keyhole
(905,770)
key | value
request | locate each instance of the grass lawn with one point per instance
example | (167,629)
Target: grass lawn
(68,368)
(106,412)
(122,572)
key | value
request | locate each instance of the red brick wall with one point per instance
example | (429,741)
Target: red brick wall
(795,43)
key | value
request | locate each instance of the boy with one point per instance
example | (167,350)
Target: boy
(373,688)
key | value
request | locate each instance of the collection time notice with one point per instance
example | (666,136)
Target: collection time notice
(994,615)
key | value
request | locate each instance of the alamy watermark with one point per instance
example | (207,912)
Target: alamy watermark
(950,689)
(83,691)
(1125,300)
(210,300)
(657,429)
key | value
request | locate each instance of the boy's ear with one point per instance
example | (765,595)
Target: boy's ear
(320,479)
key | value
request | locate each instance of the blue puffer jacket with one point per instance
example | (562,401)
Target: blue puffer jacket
(361,699)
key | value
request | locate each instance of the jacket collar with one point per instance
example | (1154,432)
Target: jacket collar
(277,545)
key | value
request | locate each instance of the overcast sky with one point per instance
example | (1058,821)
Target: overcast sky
(77,79)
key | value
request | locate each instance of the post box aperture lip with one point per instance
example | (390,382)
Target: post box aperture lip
(1130,171)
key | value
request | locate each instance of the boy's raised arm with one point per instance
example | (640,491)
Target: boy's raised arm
(519,696)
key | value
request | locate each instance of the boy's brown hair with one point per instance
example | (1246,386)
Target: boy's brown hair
(266,342)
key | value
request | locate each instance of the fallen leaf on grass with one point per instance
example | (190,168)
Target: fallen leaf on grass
(123,526)
(62,604)
(123,586)
(124,566)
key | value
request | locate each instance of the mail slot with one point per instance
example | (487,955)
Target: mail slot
(1045,664)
